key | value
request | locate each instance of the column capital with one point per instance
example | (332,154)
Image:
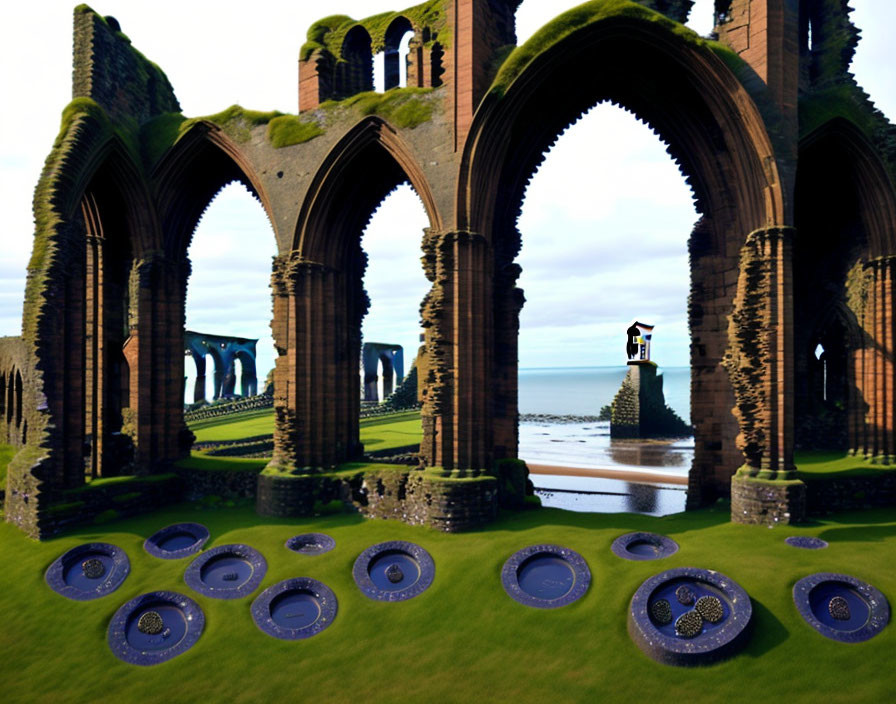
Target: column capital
(773,233)
(291,268)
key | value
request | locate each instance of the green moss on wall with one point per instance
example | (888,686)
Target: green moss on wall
(403,107)
(317,34)
(328,34)
(575,19)
(843,100)
(286,130)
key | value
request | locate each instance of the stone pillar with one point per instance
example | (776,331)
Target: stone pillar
(141,416)
(316,399)
(509,301)
(875,409)
(94,354)
(458,320)
(760,363)
(759,359)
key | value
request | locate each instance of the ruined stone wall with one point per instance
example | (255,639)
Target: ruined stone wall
(408,495)
(109,71)
(468,137)
(17,398)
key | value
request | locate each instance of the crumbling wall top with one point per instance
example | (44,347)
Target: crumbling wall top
(108,70)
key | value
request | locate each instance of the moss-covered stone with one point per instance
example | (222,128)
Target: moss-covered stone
(577,19)
(328,34)
(402,107)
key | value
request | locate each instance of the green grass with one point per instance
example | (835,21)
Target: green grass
(377,433)
(385,436)
(464,639)
(835,465)
(236,426)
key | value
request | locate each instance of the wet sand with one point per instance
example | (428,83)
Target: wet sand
(629,475)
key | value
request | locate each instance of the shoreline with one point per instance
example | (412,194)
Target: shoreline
(632,474)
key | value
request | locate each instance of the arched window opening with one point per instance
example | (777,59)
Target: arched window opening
(10,397)
(2,395)
(395,51)
(228,297)
(354,74)
(19,394)
(830,389)
(111,272)
(622,257)
(395,286)
(248,378)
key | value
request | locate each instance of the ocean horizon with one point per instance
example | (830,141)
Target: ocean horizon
(583,391)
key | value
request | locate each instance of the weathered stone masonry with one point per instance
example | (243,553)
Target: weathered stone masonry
(790,165)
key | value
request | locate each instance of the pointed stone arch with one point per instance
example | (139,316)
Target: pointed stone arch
(846,220)
(319,299)
(670,78)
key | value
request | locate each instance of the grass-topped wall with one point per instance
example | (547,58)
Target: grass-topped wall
(328,34)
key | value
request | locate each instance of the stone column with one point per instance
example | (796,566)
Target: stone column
(760,362)
(509,301)
(146,321)
(759,359)
(458,319)
(316,389)
(875,385)
(94,354)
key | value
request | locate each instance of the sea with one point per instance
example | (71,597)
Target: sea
(557,428)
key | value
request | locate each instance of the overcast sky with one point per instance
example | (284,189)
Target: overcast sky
(583,285)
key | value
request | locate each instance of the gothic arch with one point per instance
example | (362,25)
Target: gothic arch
(844,258)
(698,107)
(861,167)
(319,299)
(191,173)
(716,135)
(363,168)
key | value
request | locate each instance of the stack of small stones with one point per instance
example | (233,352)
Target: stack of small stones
(661,611)
(707,608)
(93,568)
(394,574)
(685,595)
(150,623)
(838,607)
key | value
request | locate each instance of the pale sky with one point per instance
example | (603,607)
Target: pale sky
(582,289)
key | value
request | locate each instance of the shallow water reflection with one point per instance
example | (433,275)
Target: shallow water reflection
(600,495)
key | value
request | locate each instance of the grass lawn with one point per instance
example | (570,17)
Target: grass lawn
(377,432)
(235,426)
(835,465)
(463,640)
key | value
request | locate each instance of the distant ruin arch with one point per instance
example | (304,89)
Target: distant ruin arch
(224,352)
(391,358)
(845,215)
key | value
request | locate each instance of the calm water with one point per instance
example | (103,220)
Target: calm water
(583,391)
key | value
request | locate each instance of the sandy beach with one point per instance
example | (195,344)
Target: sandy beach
(629,475)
